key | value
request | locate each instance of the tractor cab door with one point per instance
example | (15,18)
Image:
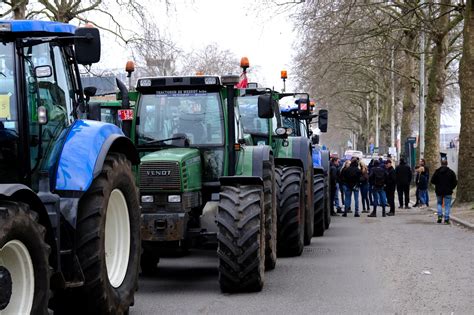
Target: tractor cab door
(50,83)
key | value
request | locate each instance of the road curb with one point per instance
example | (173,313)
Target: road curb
(456,219)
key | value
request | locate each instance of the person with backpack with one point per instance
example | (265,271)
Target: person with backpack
(445,181)
(342,182)
(404,176)
(390,184)
(351,176)
(377,179)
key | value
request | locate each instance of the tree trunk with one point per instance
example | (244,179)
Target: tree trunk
(466,137)
(436,84)
(19,9)
(409,90)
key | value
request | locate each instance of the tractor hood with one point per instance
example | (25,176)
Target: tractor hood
(172,170)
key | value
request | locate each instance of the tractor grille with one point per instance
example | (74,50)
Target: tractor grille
(159,176)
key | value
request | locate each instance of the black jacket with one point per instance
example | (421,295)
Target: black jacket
(380,173)
(403,174)
(351,176)
(391,180)
(444,180)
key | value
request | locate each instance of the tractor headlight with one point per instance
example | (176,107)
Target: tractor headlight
(147,198)
(174,198)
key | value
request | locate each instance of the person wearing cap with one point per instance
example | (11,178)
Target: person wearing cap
(444,180)
(390,185)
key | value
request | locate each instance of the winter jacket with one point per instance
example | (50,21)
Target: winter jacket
(403,174)
(378,177)
(444,180)
(391,179)
(351,176)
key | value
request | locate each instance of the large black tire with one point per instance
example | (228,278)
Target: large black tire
(327,203)
(18,222)
(319,215)
(270,205)
(290,210)
(241,238)
(98,295)
(149,262)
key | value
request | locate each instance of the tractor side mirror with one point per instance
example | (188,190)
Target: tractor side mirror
(315,139)
(323,120)
(87,45)
(89,92)
(265,109)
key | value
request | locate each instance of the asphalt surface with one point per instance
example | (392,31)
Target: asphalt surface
(392,265)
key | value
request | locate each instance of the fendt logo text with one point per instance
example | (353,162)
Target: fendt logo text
(158,173)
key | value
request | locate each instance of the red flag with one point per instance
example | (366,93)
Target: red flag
(243,83)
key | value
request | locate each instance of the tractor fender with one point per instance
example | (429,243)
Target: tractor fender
(250,161)
(296,153)
(22,193)
(325,155)
(82,157)
(241,180)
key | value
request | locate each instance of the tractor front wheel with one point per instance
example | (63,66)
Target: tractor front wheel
(108,239)
(270,204)
(291,216)
(319,210)
(241,238)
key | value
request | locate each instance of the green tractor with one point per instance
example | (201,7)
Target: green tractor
(297,114)
(200,184)
(296,209)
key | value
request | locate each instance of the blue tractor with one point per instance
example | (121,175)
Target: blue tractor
(297,114)
(69,210)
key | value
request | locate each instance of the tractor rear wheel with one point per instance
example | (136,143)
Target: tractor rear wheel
(24,267)
(309,204)
(241,238)
(291,217)
(270,205)
(319,210)
(108,240)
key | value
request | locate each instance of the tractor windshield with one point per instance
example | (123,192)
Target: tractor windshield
(172,116)
(252,124)
(8,115)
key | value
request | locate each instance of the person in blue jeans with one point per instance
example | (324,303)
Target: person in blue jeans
(352,176)
(444,180)
(364,187)
(377,179)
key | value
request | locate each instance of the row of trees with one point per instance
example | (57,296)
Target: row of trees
(362,60)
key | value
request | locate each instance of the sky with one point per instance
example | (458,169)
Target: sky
(244,27)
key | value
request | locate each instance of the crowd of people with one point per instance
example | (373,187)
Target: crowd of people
(375,185)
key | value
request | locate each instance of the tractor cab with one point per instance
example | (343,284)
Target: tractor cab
(40,94)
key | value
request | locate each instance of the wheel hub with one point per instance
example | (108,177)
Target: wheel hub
(5,287)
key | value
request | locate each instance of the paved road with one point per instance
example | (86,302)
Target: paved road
(361,265)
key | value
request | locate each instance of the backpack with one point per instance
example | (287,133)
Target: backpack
(379,178)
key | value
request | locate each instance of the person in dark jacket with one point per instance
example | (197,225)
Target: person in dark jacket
(377,179)
(404,176)
(422,186)
(390,186)
(333,183)
(351,176)
(426,173)
(445,181)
